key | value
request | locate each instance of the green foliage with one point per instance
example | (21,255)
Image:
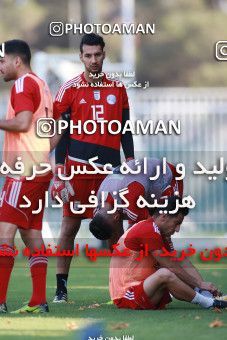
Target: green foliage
(19,19)
(181,53)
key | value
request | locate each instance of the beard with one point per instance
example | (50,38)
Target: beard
(95,69)
(8,77)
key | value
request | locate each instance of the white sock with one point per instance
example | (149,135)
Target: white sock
(203,292)
(206,293)
(203,301)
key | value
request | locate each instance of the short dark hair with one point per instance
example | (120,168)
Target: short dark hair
(171,206)
(100,227)
(92,40)
(19,48)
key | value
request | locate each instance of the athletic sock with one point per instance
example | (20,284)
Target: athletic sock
(62,282)
(6,266)
(203,301)
(38,268)
(203,292)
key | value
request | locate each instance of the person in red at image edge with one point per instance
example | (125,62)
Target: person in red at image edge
(82,104)
(148,283)
(30,100)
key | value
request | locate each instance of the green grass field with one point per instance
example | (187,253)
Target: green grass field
(88,294)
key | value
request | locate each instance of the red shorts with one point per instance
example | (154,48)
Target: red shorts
(82,188)
(12,197)
(136,298)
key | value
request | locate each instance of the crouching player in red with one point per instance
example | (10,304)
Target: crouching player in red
(146,282)
(30,100)
(103,225)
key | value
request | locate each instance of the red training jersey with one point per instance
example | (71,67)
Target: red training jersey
(88,102)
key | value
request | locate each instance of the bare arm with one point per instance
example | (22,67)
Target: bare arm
(54,141)
(60,142)
(20,123)
(126,139)
(191,269)
(175,267)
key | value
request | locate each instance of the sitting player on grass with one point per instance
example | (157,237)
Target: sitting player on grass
(147,283)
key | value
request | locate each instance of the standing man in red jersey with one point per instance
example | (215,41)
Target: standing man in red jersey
(82,99)
(30,100)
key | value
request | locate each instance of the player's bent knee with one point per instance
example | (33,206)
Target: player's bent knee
(165,275)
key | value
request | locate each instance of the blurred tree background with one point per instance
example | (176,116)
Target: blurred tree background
(180,53)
